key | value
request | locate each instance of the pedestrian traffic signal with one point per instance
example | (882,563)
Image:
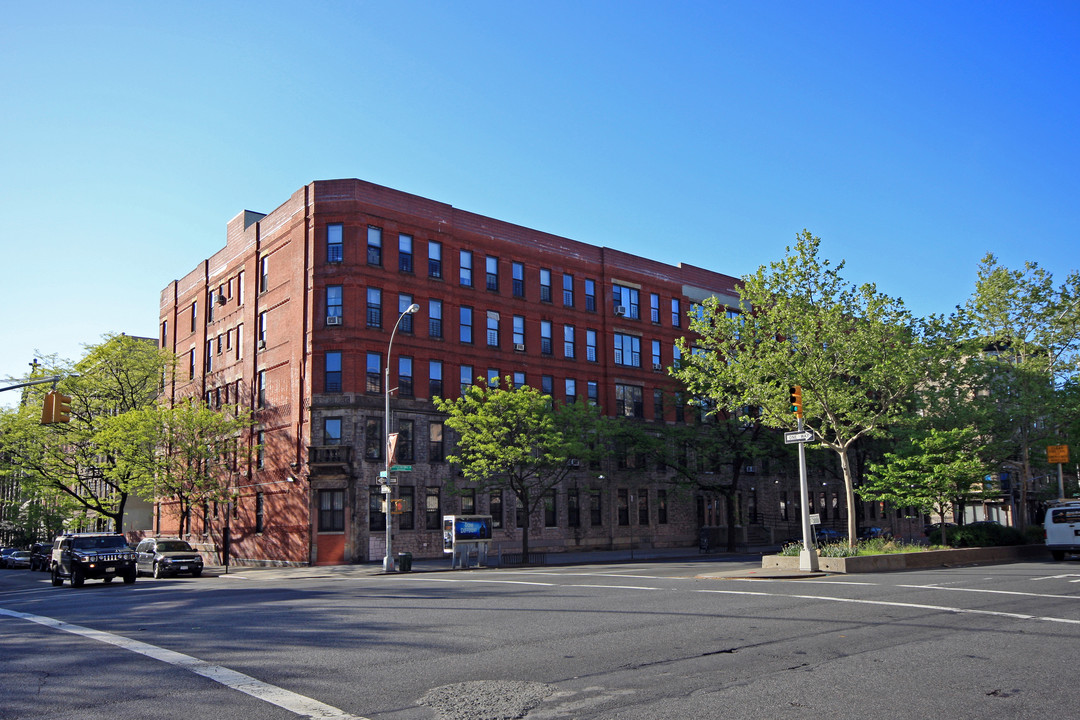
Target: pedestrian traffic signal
(56,408)
(795,392)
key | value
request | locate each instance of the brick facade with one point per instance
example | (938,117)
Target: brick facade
(303,301)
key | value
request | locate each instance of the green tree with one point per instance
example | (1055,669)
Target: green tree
(186,452)
(1022,334)
(857,353)
(66,462)
(933,472)
(518,439)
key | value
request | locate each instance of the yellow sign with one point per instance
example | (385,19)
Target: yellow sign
(1057,454)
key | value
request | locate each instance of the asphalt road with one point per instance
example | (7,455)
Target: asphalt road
(647,640)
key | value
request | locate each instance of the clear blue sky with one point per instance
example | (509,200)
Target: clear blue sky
(912,137)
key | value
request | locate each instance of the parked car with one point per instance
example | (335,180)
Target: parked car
(1062,528)
(40,553)
(824,535)
(167,556)
(868,533)
(4,553)
(18,559)
(927,529)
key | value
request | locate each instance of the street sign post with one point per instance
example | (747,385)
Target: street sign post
(401,468)
(1058,454)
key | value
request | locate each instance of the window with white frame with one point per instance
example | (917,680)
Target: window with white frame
(374,245)
(627,350)
(465,268)
(405,253)
(335,247)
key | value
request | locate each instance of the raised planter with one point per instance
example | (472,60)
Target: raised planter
(914,560)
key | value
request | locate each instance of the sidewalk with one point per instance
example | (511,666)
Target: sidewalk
(742,565)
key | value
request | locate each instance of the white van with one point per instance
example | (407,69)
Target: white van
(1062,527)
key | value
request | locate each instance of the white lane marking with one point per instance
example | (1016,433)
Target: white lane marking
(526,582)
(911,606)
(992,592)
(286,699)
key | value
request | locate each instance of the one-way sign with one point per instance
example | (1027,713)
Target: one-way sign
(799,436)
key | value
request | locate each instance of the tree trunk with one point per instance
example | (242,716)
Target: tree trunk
(524,500)
(849,491)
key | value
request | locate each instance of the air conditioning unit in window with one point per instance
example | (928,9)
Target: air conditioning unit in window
(620,310)
(262,344)
(221,299)
(333,319)
(749,468)
(520,347)
(657,366)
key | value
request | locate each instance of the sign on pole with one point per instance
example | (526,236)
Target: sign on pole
(799,436)
(1057,454)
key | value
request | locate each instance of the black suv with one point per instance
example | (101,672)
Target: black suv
(40,553)
(79,556)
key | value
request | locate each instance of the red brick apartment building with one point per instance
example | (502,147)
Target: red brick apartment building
(293,317)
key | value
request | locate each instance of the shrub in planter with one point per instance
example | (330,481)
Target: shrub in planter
(980,534)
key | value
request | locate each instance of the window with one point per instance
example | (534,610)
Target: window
(519,332)
(335,248)
(240,288)
(571,391)
(517,271)
(239,341)
(376,513)
(661,507)
(493,329)
(654,307)
(676,355)
(590,345)
(373,438)
(331,431)
(625,300)
(333,305)
(568,290)
(164,333)
(208,359)
(374,245)
(627,350)
(405,452)
(628,401)
(643,506)
(404,257)
(493,377)
(404,302)
(568,342)
(405,376)
(596,515)
(465,268)
(262,329)
(264,274)
(551,515)
(468,502)
(374,308)
(435,387)
(194,314)
(623,506)
(547,384)
(209,306)
(658,404)
(465,324)
(593,392)
(435,318)
(260,450)
(260,381)
(491,268)
(408,507)
(432,510)
(676,313)
(656,354)
(590,295)
(191,364)
(545,285)
(332,378)
(545,337)
(260,508)
(373,382)
(495,509)
(436,449)
(434,262)
(573,508)
(519,380)
(465,377)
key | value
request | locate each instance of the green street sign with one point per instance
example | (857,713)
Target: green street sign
(401,468)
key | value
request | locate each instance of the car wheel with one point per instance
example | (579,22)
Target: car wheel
(129,578)
(107,580)
(77,577)
(196,573)
(57,581)
(157,570)
(1058,555)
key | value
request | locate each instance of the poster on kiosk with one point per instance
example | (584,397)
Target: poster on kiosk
(465,536)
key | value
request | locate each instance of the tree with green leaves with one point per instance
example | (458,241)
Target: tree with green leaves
(1022,334)
(186,452)
(856,353)
(518,439)
(68,461)
(935,471)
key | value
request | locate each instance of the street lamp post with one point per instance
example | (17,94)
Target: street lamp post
(387,489)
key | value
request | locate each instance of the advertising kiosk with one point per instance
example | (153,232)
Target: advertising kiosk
(466,537)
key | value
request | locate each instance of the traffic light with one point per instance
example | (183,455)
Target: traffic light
(795,392)
(56,408)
